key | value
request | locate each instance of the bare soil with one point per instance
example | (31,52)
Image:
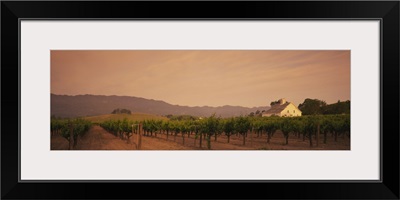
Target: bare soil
(99,139)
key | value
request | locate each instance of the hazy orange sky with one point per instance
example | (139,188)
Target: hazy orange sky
(204,77)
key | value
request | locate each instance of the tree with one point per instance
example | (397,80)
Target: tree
(185,129)
(341,125)
(121,111)
(210,127)
(274,103)
(56,125)
(177,129)
(286,126)
(229,127)
(129,130)
(270,126)
(242,126)
(257,126)
(72,129)
(298,126)
(195,127)
(166,126)
(220,129)
(312,106)
(310,127)
(326,126)
(337,108)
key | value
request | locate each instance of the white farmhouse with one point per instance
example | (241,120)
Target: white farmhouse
(283,109)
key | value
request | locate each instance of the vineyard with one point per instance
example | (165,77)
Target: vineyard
(70,129)
(203,133)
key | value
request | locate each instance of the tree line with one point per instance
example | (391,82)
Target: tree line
(319,107)
(121,111)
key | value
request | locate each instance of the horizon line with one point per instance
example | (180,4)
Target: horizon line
(155,100)
(182,105)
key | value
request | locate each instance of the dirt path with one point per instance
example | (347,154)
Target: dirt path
(99,139)
(58,142)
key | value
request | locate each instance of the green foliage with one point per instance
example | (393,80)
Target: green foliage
(286,125)
(242,124)
(210,126)
(181,117)
(77,126)
(318,107)
(271,125)
(214,126)
(229,126)
(312,106)
(337,108)
(120,128)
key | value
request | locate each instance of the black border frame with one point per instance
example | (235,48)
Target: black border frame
(385,11)
(182,180)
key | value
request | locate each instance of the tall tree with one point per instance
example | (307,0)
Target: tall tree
(337,108)
(312,106)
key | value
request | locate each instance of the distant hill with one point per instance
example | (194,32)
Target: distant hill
(92,105)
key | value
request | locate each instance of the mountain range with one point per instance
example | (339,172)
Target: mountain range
(91,105)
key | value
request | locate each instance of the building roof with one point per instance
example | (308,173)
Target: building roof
(277,108)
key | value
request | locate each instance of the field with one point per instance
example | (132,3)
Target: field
(130,117)
(120,132)
(99,139)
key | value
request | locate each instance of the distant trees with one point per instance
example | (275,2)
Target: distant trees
(258,113)
(318,107)
(121,111)
(181,117)
(337,108)
(312,106)
(274,102)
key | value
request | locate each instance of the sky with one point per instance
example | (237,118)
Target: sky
(205,77)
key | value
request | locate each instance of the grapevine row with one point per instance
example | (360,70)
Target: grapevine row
(212,127)
(70,129)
